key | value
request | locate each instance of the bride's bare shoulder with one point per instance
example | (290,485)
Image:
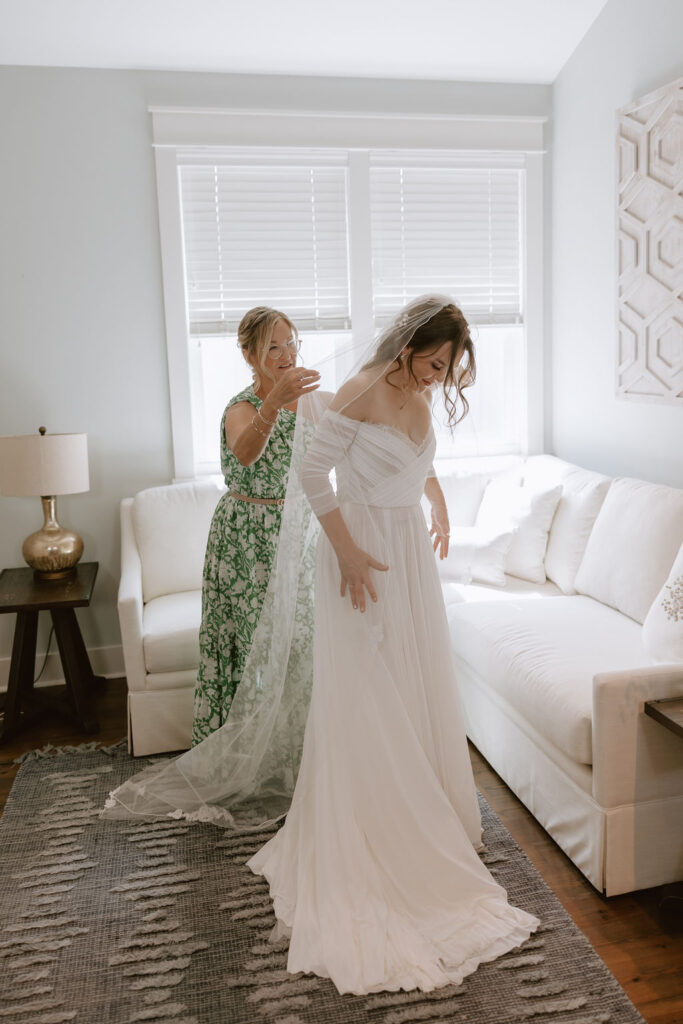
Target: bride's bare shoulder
(352,396)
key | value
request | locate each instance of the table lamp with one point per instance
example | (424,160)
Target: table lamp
(46,465)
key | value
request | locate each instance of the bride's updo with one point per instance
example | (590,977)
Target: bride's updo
(399,345)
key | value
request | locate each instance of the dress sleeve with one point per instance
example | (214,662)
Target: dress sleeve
(329,445)
(431,472)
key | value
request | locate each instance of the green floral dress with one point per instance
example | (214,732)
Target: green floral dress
(242,542)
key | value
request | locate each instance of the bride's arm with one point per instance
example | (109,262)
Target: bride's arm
(354,563)
(334,436)
(440,528)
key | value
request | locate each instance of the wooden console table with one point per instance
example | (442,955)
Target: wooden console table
(22,593)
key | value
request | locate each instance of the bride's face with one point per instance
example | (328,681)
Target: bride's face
(431,367)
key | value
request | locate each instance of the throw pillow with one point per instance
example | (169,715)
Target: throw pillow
(632,546)
(463,493)
(529,514)
(476,554)
(583,493)
(663,626)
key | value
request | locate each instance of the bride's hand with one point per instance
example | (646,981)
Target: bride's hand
(355,565)
(440,530)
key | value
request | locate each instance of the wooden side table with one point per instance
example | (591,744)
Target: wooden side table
(22,593)
(668,713)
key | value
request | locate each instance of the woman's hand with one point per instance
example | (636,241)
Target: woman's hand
(440,529)
(289,387)
(355,565)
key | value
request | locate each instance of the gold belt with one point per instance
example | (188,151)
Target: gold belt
(257,501)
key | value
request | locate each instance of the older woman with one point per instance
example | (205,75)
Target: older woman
(257,431)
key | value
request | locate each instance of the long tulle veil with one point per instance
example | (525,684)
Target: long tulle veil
(243,775)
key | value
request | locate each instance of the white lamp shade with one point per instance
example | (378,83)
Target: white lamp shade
(35,464)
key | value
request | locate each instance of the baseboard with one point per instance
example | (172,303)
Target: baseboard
(105,661)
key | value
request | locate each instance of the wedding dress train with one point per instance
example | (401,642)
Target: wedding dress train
(374,873)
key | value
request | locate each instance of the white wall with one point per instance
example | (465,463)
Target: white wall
(633,47)
(81,312)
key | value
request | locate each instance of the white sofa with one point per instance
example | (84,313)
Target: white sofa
(553,681)
(553,675)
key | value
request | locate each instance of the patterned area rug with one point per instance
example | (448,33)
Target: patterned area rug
(161,923)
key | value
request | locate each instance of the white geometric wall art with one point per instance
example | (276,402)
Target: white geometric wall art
(650,247)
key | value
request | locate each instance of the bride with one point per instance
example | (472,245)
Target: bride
(374,874)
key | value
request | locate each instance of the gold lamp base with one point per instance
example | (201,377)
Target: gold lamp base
(53,551)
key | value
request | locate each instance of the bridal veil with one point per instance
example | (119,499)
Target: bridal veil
(243,775)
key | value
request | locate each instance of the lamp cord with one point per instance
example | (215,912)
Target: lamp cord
(47,652)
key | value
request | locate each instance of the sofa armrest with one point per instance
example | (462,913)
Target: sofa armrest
(635,758)
(130,603)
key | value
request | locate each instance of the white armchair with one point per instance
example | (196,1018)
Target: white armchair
(163,540)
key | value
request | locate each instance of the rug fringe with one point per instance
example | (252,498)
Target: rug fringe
(49,750)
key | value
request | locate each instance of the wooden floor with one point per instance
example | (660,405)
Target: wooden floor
(639,944)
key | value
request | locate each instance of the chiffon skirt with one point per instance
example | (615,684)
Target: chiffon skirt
(375,874)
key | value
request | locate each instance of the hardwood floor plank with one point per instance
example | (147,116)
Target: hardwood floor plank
(110,705)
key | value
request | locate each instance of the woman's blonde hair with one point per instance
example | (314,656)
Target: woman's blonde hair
(254,336)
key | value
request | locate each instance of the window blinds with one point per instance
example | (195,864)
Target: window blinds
(262,233)
(271,227)
(453,229)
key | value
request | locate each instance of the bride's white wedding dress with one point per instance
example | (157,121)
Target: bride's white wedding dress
(375,872)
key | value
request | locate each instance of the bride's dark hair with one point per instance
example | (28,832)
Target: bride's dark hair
(448,325)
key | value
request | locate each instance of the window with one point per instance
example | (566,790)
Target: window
(340,238)
(261,225)
(443,223)
(266,227)
(452,223)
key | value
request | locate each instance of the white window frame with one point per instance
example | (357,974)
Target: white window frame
(176,129)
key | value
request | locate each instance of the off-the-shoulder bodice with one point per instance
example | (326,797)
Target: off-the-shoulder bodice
(374,464)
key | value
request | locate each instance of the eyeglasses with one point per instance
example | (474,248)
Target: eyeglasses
(279,351)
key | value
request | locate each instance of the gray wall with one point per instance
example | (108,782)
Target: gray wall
(633,47)
(81,311)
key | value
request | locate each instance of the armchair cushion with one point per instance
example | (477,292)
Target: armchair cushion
(171,526)
(170,632)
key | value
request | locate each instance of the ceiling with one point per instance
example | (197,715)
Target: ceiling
(457,40)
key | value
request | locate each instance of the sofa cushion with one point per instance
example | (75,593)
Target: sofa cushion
(663,626)
(170,632)
(541,656)
(583,493)
(514,589)
(632,546)
(171,525)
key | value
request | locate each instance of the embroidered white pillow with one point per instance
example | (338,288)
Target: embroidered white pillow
(476,554)
(529,514)
(663,626)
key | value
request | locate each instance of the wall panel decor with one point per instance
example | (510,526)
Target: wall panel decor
(650,247)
